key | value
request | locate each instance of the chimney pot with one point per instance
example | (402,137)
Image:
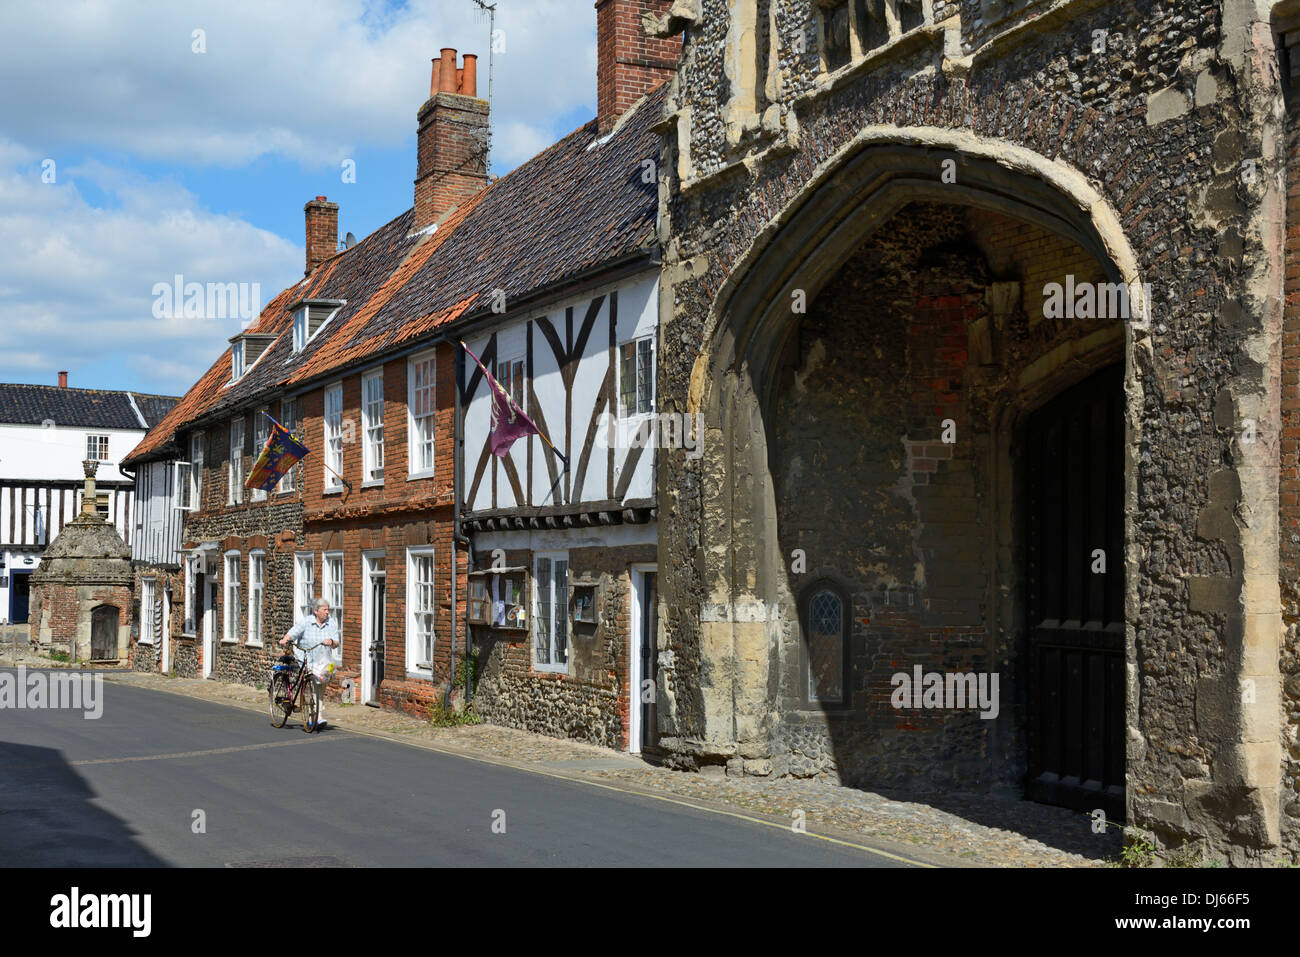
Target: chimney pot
(469,76)
(433,77)
(63,380)
(447,80)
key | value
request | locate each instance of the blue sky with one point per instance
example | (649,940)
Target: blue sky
(140,149)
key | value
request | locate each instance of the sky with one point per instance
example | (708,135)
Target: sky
(141,141)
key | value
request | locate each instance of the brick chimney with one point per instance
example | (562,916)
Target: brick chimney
(322,231)
(629,64)
(451,147)
(63,380)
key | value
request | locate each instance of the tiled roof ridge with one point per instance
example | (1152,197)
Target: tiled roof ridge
(73,388)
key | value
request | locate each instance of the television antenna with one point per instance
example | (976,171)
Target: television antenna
(489,10)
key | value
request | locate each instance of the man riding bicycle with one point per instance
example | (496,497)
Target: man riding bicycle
(312,638)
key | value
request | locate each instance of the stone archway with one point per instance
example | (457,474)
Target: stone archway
(749,709)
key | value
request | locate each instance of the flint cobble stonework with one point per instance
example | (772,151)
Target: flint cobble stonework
(591,700)
(1138,120)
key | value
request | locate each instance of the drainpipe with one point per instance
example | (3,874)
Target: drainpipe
(458,537)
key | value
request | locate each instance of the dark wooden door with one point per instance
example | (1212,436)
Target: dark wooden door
(649,662)
(103,633)
(1074,454)
(20,593)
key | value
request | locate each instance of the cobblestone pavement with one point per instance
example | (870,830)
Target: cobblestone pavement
(976,830)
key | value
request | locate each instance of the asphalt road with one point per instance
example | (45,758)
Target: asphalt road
(123,791)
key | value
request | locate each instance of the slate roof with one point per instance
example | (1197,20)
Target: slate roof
(575,207)
(89,408)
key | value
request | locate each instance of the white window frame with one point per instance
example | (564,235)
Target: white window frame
(196,469)
(261,432)
(238,360)
(148,592)
(99,453)
(304,584)
(635,342)
(230,594)
(415,666)
(331,589)
(417,442)
(289,481)
(235,467)
(256,596)
(538,617)
(191,589)
(333,438)
(372,431)
(184,487)
(300,337)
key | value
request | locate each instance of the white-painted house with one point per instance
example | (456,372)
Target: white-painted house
(46,432)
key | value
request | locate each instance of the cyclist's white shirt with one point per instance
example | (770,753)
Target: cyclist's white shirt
(307,632)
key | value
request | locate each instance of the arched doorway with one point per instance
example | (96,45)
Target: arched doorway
(873,451)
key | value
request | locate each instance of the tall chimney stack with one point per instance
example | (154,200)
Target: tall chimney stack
(451,147)
(322,231)
(629,64)
(63,380)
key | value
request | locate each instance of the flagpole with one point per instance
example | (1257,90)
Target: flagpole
(540,434)
(323,462)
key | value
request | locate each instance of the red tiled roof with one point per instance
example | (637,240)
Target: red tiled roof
(574,207)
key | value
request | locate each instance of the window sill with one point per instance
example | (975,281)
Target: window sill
(415,476)
(562,670)
(230,641)
(254,643)
(373,483)
(332,490)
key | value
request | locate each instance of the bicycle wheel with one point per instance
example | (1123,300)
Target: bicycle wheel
(310,706)
(280,703)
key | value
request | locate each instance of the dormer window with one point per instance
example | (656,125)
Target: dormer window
(309,315)
(245,350)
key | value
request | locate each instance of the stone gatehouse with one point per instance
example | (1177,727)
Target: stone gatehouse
(920,458)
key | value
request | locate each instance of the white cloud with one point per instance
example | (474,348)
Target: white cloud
(76,281)
(306,79)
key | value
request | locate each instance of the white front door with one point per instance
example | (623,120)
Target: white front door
(642,726)
(209,629)
(373,606)
(167,635)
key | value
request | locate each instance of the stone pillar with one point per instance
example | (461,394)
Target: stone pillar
(90,467)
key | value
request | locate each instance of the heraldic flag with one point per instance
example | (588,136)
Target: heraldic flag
(508,420)
(281,452)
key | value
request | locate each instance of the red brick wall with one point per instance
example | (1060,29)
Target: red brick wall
(629,63)
(322,231)
(451,155)
(390,517)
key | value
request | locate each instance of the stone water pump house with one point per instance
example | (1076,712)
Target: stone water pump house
(988,306)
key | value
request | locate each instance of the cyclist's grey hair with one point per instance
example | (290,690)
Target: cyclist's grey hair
(321,602)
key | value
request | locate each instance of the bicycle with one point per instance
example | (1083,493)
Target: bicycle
(291,684)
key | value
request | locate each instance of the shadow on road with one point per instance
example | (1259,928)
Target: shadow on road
(47,818)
